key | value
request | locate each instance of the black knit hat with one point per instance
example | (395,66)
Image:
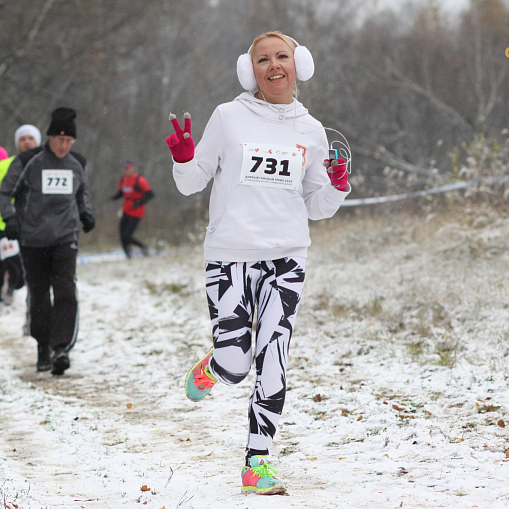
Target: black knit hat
(62,123)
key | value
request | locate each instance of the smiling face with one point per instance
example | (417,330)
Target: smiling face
(274,69)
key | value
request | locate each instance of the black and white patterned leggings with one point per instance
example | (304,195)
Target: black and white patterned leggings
(234,291)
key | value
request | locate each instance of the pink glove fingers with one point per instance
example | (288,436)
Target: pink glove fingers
(181,143)
(176,125)
(337,173)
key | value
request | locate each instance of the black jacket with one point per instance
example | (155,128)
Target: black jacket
(47,204)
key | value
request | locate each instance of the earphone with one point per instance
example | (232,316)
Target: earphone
(304,66)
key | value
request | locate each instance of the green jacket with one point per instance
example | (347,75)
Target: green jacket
(4,166)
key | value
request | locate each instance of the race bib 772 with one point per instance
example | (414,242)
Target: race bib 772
(271,166)
(57,181)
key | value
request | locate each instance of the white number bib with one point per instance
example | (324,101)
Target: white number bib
(271,166)
(8,248)
(57,181)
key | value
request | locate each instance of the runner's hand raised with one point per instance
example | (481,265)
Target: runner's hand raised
(181,143)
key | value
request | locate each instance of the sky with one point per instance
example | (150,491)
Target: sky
(449,6)
(453,6)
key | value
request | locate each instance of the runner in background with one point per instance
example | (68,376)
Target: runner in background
(266,156)
(136,192)
(26,137)
(3,245)
(51,198)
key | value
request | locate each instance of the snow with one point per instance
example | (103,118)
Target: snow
(398,384)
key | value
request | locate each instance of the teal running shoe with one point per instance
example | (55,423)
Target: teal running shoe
(199,380)
(260,478)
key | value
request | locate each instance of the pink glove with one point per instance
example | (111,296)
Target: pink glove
(336,170)
(181,143)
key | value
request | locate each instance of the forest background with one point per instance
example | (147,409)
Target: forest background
(421,96)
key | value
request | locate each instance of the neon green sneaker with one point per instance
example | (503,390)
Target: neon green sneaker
(260,478)
(199,380)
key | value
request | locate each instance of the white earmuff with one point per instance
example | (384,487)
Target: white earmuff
(245,72)
(304,66)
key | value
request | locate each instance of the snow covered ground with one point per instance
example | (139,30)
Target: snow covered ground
(398,381)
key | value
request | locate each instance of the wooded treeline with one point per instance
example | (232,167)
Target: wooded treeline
(405,88)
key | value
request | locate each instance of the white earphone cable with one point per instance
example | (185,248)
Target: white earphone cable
(343,150)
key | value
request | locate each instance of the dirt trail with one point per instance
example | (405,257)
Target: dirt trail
(396,384)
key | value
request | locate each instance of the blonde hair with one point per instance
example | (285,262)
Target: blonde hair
(275,33)
(285,39)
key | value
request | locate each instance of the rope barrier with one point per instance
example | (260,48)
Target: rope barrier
(396,197)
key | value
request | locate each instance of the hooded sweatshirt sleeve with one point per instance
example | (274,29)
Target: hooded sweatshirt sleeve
(9,187)
(83,195)
(193,176)
(321,198)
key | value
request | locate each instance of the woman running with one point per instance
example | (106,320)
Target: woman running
(266,155)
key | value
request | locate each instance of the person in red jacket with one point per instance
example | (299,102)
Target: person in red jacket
(136,192)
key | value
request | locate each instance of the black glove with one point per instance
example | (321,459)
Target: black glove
(88,221)
(12,228)
(147,196)
(116,196)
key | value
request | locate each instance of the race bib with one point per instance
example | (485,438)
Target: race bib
(271,166)
(57,181)
(8,248)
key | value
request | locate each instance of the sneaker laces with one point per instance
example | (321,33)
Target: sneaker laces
(264,470)
(204,379)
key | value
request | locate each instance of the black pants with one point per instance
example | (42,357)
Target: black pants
(53,324)
(128,225)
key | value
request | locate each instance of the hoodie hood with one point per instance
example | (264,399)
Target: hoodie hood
(271,112)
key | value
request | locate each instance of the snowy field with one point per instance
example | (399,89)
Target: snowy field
(398,381)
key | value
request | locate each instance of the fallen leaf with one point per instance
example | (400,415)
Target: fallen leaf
(312,459)
(396,407)
(507,453)
(501,423)
(317,398)
(320,482)
(359,418)
(145,488)
(129,405)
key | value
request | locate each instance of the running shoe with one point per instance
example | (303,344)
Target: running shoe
(199,380)
(44,358)
(60,362)
(260,478)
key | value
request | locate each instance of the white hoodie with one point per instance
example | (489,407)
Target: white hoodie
(253,223)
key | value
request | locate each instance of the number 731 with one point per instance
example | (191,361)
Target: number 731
(271,166)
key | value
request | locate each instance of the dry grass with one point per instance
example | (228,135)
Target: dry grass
(426,280)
